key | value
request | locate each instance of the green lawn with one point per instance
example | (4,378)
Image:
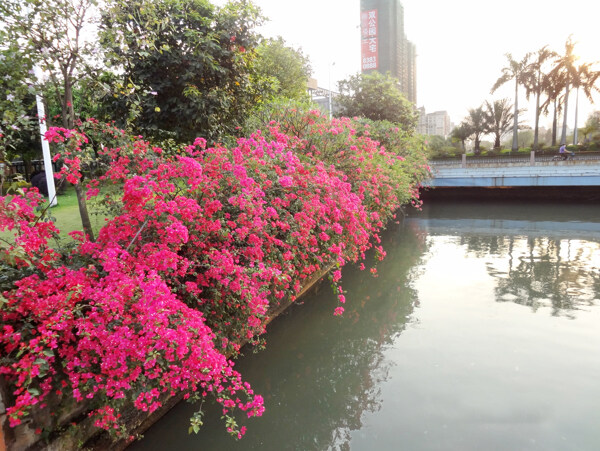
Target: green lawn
(66,215)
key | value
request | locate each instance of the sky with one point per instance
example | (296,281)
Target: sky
(461,44)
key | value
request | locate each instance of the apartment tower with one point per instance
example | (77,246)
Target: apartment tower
(384,46)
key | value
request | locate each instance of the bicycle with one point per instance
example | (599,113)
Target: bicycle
(563,157)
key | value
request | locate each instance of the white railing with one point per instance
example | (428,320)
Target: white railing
(503,160)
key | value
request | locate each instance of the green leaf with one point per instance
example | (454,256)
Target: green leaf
(34,391)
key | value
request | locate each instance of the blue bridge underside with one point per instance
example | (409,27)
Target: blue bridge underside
(492,176)
(489,182)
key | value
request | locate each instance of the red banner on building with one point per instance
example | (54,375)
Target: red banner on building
(369,54)
(369,34)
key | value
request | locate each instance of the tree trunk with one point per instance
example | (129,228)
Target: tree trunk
(563,136)
(27,168)
(554,124)
(83,212)
(69,122)
(575,137)
(67,106)
(537,121)
(515,143)
(63,112)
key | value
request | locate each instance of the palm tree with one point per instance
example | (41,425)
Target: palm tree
(552,84)
(592,124)
(535,85)
(565,66)
(588,129)
(519,71)
(498,119)
(462,133)
(477,124)
(585,79)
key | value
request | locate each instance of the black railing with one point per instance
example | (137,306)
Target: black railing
(27,170)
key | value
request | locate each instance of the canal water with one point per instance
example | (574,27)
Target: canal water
(480,332)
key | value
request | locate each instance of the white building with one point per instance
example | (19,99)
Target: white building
(437,123)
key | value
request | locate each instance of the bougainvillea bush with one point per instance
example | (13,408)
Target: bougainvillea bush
(355,146)
(202,245)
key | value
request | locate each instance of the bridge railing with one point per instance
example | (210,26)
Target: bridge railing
(465,160)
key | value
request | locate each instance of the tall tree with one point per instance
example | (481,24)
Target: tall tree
(289,68)
(593,122)
(185,65)
(592,125)
(519,71)
(377,97)
(477,124)
(585,79)
(498,118)
(19,132)
(462,133)
(588,129)
(565,71)
(50,33)
(552,87)
(534,85)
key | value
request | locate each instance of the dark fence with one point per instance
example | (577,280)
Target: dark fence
(27,170)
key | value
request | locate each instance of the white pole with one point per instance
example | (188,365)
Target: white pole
(45,145)
(330,105)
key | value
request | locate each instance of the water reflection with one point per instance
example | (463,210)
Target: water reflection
(437,352)
(536,262)
(551,273)
(319,374)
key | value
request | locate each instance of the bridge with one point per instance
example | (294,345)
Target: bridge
(523,171)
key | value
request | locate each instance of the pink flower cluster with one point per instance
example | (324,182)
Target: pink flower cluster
(201,247)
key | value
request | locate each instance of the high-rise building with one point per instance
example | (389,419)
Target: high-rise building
(384,46)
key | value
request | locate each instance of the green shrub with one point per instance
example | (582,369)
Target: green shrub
(13,184)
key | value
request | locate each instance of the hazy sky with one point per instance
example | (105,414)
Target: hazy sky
(461,44)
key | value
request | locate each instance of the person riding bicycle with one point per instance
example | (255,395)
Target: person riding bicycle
(564,153)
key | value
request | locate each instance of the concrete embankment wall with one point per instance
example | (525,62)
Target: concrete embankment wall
(547,174)
(555,194)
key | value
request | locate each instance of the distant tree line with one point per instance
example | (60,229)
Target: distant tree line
(170,70)
(548,77)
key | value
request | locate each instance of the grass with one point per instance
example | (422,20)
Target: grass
(66,216)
